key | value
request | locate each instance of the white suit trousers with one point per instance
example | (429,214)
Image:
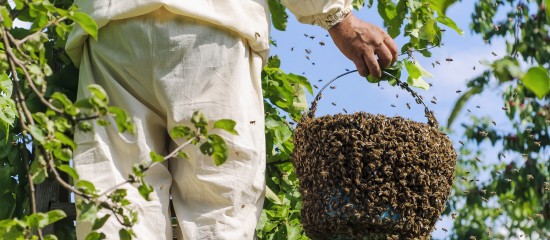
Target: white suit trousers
(161,67)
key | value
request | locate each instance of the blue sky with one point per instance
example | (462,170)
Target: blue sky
(355,94)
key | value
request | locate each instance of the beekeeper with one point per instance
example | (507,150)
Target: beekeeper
(161,60)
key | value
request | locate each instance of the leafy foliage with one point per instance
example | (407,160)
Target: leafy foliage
(515,200)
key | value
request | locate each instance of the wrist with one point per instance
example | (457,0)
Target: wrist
(334,19)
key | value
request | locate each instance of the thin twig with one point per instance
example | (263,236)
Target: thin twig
(49,24)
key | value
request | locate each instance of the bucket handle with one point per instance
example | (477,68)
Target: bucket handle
(405,86)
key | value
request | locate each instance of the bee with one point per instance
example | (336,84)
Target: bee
(438,63)
(313,63)
(307,57)
(477,159)
(470,111)
(497,27)
(484,199)
(393,105)
(396,95)
(483,191)
(461,142)
(539,216)
(434,102)
(345,110)
(453,216)
(504,156)
(494,123)
(474,67)
(514,95)
(433,65)
(511,201)
(312,37)
(332,87)
(466,192)
(315,86)
(494,54)
(292,49)
(305,35)
(444,229)
(252,122)
(408,106)
(537,144)
(530,177)
(478,106)
(493,193)
(507,180)
(257,34)
(308,51)
(515,170)
(333,103)
(483,133)
(458,91)
(498,172)
(322,43)
(505,108)
(448,59)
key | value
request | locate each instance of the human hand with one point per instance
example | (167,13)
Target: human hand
(361,41)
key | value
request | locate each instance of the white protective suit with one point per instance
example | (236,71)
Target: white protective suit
(161,60)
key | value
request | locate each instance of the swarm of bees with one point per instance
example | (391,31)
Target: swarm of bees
(364,175)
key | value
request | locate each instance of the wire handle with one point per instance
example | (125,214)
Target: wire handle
(432,121)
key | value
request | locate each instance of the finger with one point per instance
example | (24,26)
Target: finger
(384,56)
(361,67)
(372,64)
(392,46)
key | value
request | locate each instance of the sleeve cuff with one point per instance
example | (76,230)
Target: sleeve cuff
(329,21)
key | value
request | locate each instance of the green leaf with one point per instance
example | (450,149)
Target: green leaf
(180,132)
(86,186)
(227,125)
(96,236)
(86,22)
(416,72)
(547,8)
(123,121)
(155,157)
(125,234)
(37,133)
(55,215)
(269,194)
(98,223)
(449,23)
(69,170)
(50,237)
(65,140)
(537,80)
(441,5)
(199,120)
(145,190)
(87,211)
(6,16)
(278,14)
(219,149)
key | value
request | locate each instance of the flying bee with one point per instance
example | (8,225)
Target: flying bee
(305,35)
(448,59)
(497,27)
(505,108)
(483,191)
(466,192)
(477,159)
(515,170)
(461,142)
(320,80)
(493,193)
(307,57)
(470,111)
(537,144)
(252,122)
(315,86)
(507,180)
(312,37)
(322,43)
(257,34)
(494,123)
(498,172)
(345,110)
(484,199)
(393,105)
(483,133)
(474,67)
(539,216)
(504,156)
(433,64)
(453,216)
(494,54)
(438,63)
(333,103)
(333,87)
(511,201)
(478,106)
(396,95)
(458,91)
(530,177)
(434,102)
(308,51)
(444,229)
(409,107)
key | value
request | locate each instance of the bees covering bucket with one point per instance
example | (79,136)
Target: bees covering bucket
(364,175)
